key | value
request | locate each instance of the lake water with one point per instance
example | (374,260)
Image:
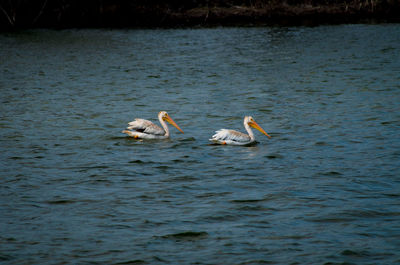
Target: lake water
(325,189)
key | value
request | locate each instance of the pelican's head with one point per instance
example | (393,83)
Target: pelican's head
(251,122)
(163,115)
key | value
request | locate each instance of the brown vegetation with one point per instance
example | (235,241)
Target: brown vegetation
(181,13)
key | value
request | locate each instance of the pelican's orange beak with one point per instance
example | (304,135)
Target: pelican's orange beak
(258,127)
(170,120)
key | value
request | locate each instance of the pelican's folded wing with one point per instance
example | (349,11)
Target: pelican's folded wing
(226,135)
(145,126)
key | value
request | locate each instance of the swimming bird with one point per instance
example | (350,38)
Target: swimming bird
(232,137)
(144,129)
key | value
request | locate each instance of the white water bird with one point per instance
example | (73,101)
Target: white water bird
(225,136)
(144,129)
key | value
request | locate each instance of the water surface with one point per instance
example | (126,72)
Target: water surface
(323,190)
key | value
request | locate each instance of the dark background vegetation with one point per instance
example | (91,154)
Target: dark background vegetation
(15,14)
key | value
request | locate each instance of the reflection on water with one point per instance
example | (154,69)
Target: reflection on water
(323,189)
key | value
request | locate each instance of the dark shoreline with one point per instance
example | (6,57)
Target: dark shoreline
(172,14)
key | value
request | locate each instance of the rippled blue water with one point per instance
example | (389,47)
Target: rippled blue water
(323,190)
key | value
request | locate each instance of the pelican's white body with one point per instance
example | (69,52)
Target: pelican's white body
(140,128)
(144,129)
(232,137)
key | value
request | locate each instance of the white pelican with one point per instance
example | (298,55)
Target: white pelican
(145,129)
(225,136)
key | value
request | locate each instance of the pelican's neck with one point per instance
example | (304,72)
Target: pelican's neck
(164,125)
(249,130)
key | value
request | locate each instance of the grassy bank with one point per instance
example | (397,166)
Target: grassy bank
(15,14)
